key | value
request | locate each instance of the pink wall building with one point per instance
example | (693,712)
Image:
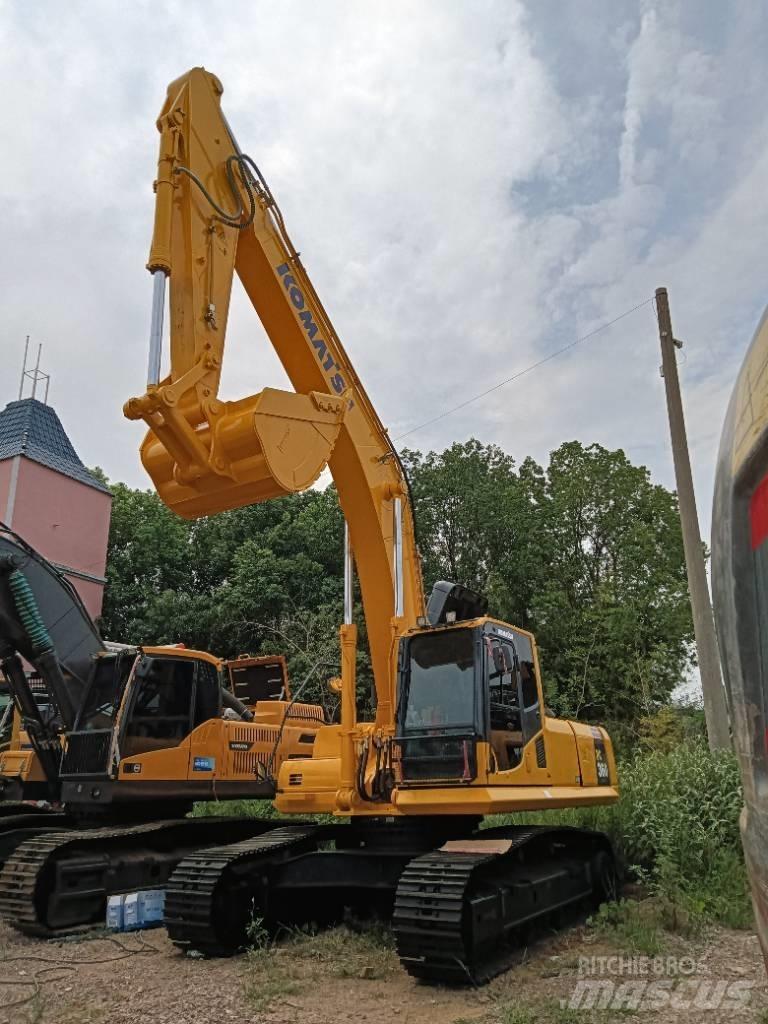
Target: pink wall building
(51,500)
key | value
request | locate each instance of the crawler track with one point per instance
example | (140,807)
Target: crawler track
(59,882)
(210,897)
(24,822)
(457,909)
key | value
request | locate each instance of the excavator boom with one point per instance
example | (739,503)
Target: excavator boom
(215,215)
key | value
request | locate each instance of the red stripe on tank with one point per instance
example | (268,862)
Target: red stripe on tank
(758,513)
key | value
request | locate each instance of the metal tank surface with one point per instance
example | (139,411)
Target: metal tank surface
(740,592)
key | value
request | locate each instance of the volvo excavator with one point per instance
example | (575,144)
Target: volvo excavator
(460,729)
(126,739)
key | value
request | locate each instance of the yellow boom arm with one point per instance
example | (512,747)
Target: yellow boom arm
(215,214)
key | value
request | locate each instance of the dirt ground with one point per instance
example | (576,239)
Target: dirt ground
(343,975)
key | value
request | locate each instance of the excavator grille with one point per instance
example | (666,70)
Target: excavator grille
(313,712)
(87,753)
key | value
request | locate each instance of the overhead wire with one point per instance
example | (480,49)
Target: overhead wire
(528,369)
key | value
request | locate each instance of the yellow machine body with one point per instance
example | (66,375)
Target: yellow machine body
(21,773)
(562,764)
(19,763)
(215,216)
(160,732)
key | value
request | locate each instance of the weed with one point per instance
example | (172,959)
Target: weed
(565,1015)
(268,978)
(348,951)
(550,1012)
(236,809)
(634,926)
(518,1015)
(258,935)
(264,810)
(268,983)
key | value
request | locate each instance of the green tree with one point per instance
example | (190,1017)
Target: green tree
(612,613)
(474,520)
(148,555)
(586,553)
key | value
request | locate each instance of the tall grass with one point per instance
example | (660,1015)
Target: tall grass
(676,826)
(236,808)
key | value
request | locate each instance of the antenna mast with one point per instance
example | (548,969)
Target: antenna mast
(35,374)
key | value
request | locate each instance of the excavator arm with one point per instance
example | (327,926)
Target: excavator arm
(214,216)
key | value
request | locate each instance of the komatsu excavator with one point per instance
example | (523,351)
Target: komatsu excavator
(124,743)
(740,593)
(460,729)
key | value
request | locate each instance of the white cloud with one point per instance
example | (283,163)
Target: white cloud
(466,196)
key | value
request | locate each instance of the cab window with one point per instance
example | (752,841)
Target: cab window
(502,686)
(529,688)
(513,697)
(440,690)
(161,715)
(504,703)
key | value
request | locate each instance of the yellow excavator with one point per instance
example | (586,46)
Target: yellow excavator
(460,730)
(121,740)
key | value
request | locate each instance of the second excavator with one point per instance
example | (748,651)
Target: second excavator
(460,730)
(124,741)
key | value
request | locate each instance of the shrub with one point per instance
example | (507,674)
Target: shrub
(676,825)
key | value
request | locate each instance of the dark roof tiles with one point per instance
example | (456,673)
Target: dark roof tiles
(30,428)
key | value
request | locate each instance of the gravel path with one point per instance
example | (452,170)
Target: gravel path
(343,976)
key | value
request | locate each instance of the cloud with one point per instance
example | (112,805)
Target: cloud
(471,186)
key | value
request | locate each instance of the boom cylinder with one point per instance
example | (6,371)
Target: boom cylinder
(347,577)
(398,557)
(348,640)
(156,328)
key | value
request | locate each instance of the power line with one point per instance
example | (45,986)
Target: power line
(528,369)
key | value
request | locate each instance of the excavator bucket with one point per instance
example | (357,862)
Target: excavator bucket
(265,446)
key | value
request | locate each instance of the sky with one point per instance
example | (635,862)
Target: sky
(471,186)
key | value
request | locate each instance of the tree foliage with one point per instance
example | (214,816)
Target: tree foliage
(585,552)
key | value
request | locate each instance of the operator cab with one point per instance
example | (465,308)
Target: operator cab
(137,702)
(460,685)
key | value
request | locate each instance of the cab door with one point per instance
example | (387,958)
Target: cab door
(514,709)
(158,719)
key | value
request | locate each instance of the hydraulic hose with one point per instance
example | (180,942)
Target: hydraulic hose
(229,700)
(43,651)
(28,612)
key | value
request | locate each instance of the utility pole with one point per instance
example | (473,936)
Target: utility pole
(715,708)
